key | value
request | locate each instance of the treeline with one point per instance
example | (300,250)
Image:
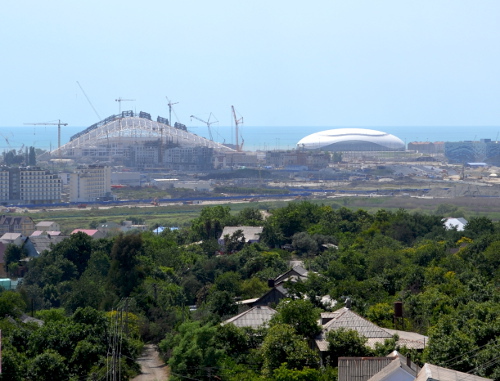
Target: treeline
(447,280)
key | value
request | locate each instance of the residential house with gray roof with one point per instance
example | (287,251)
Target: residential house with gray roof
(255,317)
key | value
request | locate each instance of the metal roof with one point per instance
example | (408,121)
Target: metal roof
(347,319)
(436,373)
(251,233)
(254,317)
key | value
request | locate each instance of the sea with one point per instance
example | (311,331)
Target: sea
(255,138)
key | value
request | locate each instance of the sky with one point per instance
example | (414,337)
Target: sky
(280,63)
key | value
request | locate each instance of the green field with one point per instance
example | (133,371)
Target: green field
(181,215)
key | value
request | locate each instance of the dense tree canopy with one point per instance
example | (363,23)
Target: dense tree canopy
(174,289)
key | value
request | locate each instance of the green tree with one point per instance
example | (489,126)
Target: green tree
(283,345)
(48,366)
(299,314)
(13,254)
(345,343)
(194,352)
(125,273)
(32,157)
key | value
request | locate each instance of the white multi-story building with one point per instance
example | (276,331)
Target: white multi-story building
(90,183)
(30,185)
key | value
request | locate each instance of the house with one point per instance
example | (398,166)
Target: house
(255,317)
(37,233)
(250,233)
(36,245)
(431,372)
(272,297)
(394,367)
(454,223)
(128,226)
(297,272)
(94,233)
(347,319)
(48,226)
(109,228)
(13,238)
(16,224)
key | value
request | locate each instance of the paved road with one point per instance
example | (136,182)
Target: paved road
(152,367)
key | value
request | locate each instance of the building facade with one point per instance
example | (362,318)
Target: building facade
(90,183)
(30,185)
(484,150)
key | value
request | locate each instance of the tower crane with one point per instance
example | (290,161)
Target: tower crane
(237,122)
(58,124)
(120,100)
(170,104)
(208,123)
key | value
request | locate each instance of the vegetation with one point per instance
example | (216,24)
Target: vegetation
(141,286)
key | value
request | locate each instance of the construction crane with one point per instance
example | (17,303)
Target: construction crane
(237,122)
(58,124)
(90,103)
(170,104)
(208,123)
(120,100)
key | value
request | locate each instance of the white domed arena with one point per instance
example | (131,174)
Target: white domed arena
(351,139)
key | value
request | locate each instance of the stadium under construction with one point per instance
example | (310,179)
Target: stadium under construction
(135,140)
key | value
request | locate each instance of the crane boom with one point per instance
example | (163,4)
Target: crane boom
(120,100)
(237,122)
(88,100)
(58,124)
(208,123)
(170,104)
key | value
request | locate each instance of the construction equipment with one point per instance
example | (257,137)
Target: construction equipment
(90,103)
(237,122)
(208,123)
(120,100)
(58,124)
(170,104)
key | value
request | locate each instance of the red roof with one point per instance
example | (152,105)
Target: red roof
(89,232)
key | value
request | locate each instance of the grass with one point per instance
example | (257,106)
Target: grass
(181,215)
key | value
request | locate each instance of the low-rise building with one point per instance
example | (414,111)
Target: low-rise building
(48,226)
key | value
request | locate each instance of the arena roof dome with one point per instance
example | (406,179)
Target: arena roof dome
(351,139)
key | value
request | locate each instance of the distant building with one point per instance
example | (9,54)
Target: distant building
(17,224)
(132,179)
(29,185)
(90,183)
(36,245)
(484,150)
(426,147)
(189,158)
(250,233)
(128,226)
(94,233)
(455,223)
(48,226)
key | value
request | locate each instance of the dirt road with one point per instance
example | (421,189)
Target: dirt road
(152,367)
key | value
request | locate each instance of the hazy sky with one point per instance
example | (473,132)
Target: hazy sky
(280,63)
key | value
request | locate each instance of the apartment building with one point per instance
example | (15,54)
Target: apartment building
(89,183)
(29,185)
